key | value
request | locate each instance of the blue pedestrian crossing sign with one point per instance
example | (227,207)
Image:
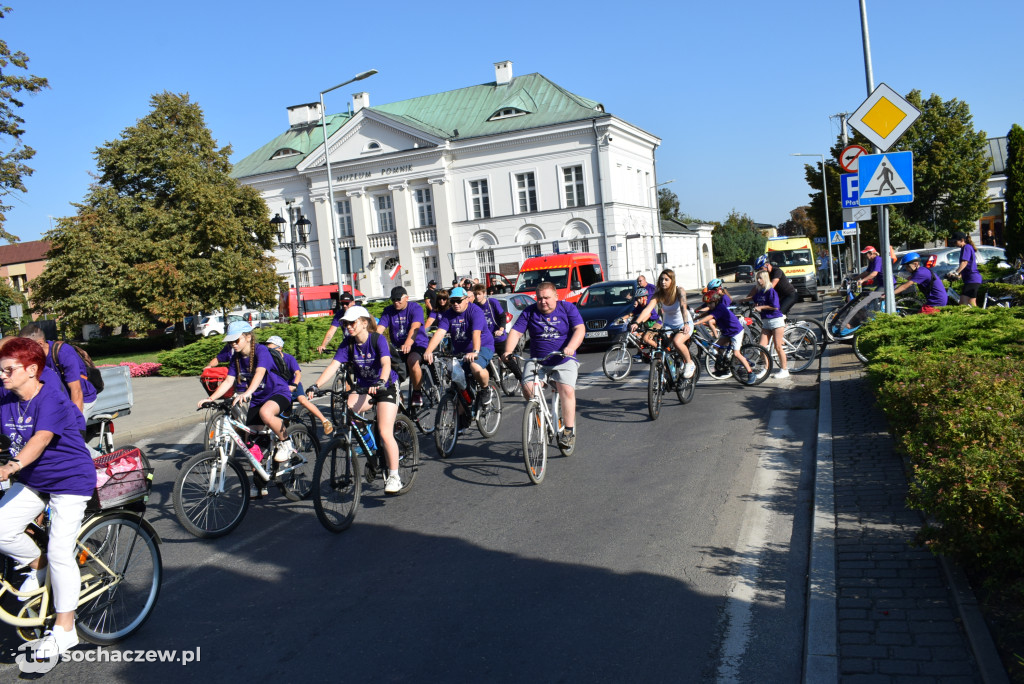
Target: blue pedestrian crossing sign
(837,237)
(848,186)
(886,178)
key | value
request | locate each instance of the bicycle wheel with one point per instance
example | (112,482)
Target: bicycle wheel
(617,362)
(535,442)
(760,363)
(508,383)
(121,570)
(210,502)
(336,486)
(856,349)
(488,418)
(801,347)
(446,425)
(408,451)
(298,483)
(338,400)
(216,425)
(686,387)
(709,368)
(829,322)
(655,387)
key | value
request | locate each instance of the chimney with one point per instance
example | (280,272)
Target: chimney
(360,100)
(503,72)
(304,114)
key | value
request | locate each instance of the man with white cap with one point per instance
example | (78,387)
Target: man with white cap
(294,379)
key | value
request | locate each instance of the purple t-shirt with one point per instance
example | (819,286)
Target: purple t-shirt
(272,385)
(399,322)
(74,369)
(725,319)
(768,297)
(366,359)
(549,332)
(879,267)
(970,273)
(931,286)
(293,366)
(65,466)
(460,327)
(495,317)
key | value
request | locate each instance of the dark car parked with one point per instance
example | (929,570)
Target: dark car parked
(745,274)
(606,308)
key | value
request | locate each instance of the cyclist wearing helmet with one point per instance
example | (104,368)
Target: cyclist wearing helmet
(650,322)
(672,299)
(927,282)
(780,282)
(732,329)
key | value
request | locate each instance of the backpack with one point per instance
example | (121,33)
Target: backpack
(397,362)
(280,367)
(92,373)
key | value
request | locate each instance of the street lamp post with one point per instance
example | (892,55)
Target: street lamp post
(298,240)
(335,239)
(828,229)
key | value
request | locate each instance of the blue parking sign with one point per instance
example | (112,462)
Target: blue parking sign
(849,188)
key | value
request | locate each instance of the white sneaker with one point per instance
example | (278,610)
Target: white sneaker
(393,484)
(32,582)
(782,374)
(285,451)
(688,370)
(56,643)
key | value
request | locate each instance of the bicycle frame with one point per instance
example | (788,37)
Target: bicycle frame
(257,467)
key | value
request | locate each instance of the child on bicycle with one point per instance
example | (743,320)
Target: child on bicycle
(50,457)
(766,301)
(677,318)
(276,344)
(370,359)
(732,330)
(265,389)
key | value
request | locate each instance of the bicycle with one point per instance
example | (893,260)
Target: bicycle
(667,373)
(720,363)
(800,342)
(118,555)
(211,493)
(337,487)
(618,360)
(462,404)
(541,423)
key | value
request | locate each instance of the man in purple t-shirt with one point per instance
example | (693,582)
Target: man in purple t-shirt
(344,301)
(404,323)
(470,336)
(554,327)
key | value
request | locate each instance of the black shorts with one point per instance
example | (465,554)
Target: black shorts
(969,290)
(253,417)
(415,349)
(787,302)
(385,395)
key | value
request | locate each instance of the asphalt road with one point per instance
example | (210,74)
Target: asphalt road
(672,550)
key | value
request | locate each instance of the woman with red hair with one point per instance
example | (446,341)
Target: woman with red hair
(50,458)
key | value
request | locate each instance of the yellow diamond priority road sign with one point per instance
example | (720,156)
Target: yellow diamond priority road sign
(884,117)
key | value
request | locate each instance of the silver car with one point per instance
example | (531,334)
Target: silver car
(942,260)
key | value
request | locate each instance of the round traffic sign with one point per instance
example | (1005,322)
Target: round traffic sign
(849,158)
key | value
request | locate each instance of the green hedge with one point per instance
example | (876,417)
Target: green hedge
(952,387)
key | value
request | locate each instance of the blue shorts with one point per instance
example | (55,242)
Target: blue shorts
(484,357)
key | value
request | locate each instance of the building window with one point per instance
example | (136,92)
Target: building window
(424,207)
(485,261)
(344,208)
(579,245)
(430,263)
(573,176)
(385,215)
(526,188)
(481,200)
(506,113)
(294,213)
(531,251)
(304,279)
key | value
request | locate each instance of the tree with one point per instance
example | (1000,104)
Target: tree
(163,233)
(799,223)
(668,203)
(1013,229)
(737,239)
(12,162)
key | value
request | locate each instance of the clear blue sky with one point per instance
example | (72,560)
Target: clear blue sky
(731,88)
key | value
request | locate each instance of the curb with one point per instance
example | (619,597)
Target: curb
(990,665)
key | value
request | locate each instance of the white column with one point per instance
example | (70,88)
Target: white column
(362,225)
(401,200)
(441,189)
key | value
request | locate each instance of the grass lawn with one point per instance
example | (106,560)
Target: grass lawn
(143,357)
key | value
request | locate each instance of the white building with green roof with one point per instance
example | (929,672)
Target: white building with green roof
(463,183)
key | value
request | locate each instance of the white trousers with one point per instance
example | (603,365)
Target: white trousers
(20,506)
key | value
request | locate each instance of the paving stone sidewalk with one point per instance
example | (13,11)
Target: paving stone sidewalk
(897,618)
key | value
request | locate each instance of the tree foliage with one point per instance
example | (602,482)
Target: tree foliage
(1013,229)
(799,223)
(163,233)
(668,203)
(950,177)
(13,167)
(737,239)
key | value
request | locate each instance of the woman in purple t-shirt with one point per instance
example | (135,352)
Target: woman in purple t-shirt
(252,364)
(50,457)
(766,301)
(370,358)
(967,269)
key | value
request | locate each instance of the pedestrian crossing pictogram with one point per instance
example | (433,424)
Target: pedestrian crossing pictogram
(886,178)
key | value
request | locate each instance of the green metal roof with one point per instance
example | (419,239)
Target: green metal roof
(453,115)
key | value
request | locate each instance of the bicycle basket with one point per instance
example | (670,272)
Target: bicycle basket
(211,379)
(122,476)
(458,373)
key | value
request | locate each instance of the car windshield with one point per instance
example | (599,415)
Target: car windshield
(606,295)
(529,280)
(791,257)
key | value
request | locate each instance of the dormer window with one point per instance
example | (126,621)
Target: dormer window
(285,152)
(506,113)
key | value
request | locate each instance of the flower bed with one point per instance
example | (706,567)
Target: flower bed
(137,370)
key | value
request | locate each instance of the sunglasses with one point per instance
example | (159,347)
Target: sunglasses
(456,300)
